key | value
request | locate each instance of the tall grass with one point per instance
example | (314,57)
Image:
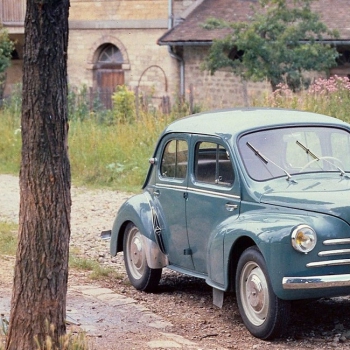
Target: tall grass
(10,137)
(114,155)
(325,96)
(107,151)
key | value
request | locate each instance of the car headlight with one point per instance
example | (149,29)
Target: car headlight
(303,238)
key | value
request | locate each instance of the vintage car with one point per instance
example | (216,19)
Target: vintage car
(255,201)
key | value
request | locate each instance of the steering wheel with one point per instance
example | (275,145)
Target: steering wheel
(327,158)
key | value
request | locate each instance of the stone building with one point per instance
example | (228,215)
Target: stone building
(156,47)
(191,42)
(111,42)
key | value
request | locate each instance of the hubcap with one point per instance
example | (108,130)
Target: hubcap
(136,252)
(135,255)
(254,293)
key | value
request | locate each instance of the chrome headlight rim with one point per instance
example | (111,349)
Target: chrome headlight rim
(304,238)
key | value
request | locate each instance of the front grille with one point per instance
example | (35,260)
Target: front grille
(343,254)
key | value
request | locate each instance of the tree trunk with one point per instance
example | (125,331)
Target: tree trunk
(41,270)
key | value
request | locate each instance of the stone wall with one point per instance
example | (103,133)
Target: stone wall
(134,27)
(220,90)
(146,64)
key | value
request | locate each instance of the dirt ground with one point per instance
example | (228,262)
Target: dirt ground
(180,314)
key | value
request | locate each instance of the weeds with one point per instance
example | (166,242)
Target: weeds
(97,271)
(8,238)
(112,150)
(325,96)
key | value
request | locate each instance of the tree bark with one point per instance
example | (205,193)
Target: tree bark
(41,270)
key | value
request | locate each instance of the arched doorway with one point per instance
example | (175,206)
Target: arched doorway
(108,72)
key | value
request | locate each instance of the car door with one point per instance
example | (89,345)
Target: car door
(213,197)
(170,191)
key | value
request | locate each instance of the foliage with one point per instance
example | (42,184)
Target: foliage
(78,103)
(124,104)
(6,48)
(10,142)
(102,153)
(325,96)
(113,155)
(281,42)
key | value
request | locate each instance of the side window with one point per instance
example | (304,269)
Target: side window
(213,164)
(174,160)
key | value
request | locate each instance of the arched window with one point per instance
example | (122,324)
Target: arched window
(110,55)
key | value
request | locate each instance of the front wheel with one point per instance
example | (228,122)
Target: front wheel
(141,276)
(263,313)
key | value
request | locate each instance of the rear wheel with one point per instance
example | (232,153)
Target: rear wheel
(263,313)
(141,276)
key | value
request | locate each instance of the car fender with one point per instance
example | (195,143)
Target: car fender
(139,210)
(263,228)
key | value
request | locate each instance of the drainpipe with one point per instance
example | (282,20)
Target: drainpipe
(173,54)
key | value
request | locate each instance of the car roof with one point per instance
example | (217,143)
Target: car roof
(230,122)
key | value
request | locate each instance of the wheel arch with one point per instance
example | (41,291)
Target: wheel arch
(239,246)
(138,212)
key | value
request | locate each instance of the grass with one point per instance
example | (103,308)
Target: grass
(97,271)
(111,154)
(8,238)
(10,143)
(102,155)
(115,155)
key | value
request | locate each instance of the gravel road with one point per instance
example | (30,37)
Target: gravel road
(92,212)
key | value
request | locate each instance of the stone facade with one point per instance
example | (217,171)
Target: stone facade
(133,27)
(220,90)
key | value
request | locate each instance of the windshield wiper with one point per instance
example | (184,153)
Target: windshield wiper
(267,160)
(313,155)
(257,153)
(307,150)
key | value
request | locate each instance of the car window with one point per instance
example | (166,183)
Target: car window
(213,164)
(340,144)
(279,152)
(174,160)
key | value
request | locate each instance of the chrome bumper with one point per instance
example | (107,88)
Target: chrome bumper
(316,282)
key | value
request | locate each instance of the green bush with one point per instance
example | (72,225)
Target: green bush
(124,105)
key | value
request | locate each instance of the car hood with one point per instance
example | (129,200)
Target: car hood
(328,196)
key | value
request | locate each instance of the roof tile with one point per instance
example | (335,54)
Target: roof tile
(334,13)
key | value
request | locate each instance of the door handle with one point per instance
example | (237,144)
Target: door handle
(231,207)
(156,193)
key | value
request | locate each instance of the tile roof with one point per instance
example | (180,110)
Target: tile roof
(334,13)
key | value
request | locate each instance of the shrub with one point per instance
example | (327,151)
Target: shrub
(124,105)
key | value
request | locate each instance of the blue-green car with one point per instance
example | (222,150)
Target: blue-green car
(252,200)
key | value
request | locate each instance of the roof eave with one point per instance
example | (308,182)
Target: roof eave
(186,43)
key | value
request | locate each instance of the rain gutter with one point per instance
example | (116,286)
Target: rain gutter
(173,54)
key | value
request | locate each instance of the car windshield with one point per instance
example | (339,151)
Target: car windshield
(289,151)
